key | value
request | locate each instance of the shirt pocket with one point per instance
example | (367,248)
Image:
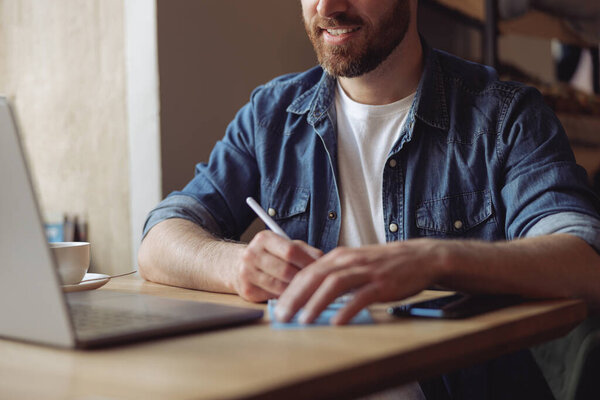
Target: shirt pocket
(463,215)
(289,207)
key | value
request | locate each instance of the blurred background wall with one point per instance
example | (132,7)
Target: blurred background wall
(62,64)
(212,54)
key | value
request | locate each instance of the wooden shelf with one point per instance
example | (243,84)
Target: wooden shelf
(582,130)
(533,24)
(542,25)
(589,159)
(584,134)
(471,8)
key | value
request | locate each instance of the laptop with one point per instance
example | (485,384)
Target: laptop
(33,307)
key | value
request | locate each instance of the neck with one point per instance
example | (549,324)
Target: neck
(394,79)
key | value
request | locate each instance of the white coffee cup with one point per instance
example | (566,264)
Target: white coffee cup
(72,260)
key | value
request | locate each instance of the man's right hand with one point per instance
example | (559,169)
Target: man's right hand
(269,263)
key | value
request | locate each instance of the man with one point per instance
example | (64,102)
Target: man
(369,161)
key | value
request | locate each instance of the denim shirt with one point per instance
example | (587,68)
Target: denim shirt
(478,159)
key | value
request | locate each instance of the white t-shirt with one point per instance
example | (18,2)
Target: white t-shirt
(365,136)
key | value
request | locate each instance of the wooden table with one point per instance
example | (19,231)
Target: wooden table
(255,361)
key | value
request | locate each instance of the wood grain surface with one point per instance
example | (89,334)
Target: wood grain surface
(255,361)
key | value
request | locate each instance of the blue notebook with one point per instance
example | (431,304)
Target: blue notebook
(363,317)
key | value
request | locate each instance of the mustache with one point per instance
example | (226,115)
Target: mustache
(334,22)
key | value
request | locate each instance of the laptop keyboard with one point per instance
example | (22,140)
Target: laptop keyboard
(89,320)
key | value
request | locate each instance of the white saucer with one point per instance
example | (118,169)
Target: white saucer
(102,280)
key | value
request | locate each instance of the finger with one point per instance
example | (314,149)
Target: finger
(247,289)
(341,258)
(308,281)
(287,250)
(263,294)
(269,283)
(362,298)
(250,276)
(310,250)
(297,294)
(332,287)
(255,294)
(270,264)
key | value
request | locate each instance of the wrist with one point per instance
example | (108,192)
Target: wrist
(233,254)
(220,262)
(443,262)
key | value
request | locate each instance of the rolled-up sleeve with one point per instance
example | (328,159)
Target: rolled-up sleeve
(543,187)
(580,225)
(184,207)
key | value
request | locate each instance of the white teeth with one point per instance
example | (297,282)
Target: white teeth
(337,32)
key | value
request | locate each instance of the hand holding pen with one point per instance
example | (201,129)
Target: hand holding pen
(271,260)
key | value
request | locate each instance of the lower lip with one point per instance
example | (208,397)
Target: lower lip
(338,39)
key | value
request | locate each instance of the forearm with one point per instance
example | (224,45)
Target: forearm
(180,253)
(547,266)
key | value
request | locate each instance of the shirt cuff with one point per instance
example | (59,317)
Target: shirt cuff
(184,207)
(581,225)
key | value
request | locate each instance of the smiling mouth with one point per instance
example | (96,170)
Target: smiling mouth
(340,31)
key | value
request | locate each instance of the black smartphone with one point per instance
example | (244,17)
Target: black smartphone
(458,305)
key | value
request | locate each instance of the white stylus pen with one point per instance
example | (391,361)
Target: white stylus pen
(262,214)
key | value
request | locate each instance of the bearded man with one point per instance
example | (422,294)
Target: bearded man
(394,167)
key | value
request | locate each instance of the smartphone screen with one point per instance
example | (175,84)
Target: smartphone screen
(458,305)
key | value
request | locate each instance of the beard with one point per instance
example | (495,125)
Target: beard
(366,52)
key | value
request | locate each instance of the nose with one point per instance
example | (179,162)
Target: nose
(329,8)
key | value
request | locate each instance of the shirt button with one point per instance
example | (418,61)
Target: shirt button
(393,228)
(272,212)
(393,163)
(458,224)
(332,215)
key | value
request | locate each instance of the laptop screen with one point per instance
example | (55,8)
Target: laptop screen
(32,305)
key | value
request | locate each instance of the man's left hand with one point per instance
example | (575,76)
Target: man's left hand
(376,273)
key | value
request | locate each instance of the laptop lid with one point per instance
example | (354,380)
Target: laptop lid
(32,305)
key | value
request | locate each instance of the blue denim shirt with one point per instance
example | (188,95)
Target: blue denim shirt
(478,159)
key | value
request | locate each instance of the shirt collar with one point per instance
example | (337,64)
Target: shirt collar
(315,101)
(429,104)
(430,100)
